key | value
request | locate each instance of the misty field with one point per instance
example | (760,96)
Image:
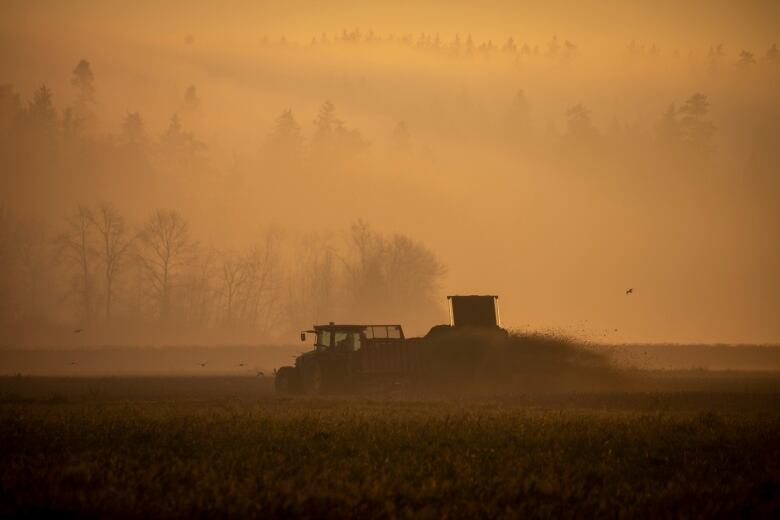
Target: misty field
(201,446)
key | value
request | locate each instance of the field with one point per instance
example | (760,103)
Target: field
(685,443)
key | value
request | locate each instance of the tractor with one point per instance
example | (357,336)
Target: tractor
(350,358)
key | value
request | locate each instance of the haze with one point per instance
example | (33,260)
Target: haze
(360,162)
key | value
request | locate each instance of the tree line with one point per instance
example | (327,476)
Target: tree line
(557,49)
(94,269)
(36,138)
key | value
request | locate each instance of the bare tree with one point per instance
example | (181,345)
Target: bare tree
(115,244)
(412,271)
(249,285)
(233,275)
(389,274)
(19,264)
(261,305)
(363,264)
(311,282)
(78,242)
(200,288)
(31,253)
(165,247)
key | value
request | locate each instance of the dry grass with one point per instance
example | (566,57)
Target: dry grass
(75,447)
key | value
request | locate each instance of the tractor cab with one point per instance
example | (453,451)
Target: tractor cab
(351,338)
(336,360)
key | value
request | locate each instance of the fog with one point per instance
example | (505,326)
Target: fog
(232,173)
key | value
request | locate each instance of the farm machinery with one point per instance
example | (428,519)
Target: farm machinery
(351,358)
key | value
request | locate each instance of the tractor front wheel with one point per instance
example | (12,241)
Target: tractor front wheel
(286,381)
(313,379)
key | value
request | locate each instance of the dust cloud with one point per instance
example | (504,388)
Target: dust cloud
(232,173)
(469,362)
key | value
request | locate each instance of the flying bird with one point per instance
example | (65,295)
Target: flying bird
(242,364)
(630,291)
(202,364)
(76,331)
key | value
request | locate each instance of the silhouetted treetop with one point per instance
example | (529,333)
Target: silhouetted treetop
(191,99)
(669,127)
(40,110)
(10,107)
(83,79)
(510,45)
(326,122)
(580,129)
(518,116)
(686,131)
(695,130)
(401,137)
(78,117)
(331,137)
(132,132)
(285,138)
(746,58)
(179,145)
(772,53)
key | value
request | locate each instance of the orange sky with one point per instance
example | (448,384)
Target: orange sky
(560,248)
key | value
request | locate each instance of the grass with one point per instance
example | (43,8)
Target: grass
(93,453)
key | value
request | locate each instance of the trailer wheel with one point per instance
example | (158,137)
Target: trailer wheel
(286,381)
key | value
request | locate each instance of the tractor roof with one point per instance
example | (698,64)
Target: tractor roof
(353,326)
